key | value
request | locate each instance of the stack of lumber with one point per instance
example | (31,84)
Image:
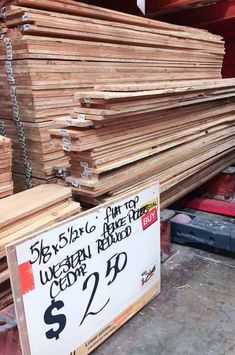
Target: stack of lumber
(6,183)
(25,213)
(55,49)
(167,131)
(217,17)
(42,152)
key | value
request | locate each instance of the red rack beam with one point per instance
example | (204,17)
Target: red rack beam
(211,205)
(204,16)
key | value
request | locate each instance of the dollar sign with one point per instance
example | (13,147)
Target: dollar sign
(49,318)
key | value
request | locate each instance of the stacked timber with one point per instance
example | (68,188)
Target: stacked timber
(169,131)
(217,17)
(6,183)
(25,213)
(50,50)
(42,153)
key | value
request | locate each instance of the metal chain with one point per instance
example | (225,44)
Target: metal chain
(2,128)
(16,113)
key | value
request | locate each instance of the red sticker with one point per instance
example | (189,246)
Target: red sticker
(26,277)
(149,218)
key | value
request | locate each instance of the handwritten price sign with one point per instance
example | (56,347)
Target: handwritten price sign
(78,282)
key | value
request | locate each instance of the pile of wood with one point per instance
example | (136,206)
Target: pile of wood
(167,131)
(25,213)
(42,153)
(50,50)
(6,183)
(216,17)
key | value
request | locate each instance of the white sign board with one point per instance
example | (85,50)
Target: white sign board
(142,6)
(77,282)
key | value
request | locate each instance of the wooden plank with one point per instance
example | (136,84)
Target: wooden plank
(27,212)
(31,201)
(80,9)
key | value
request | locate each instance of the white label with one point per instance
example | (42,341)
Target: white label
(74,182)
(142,6)
(84,164)
(82,117)
(88,170)
(26,27)
(25,17)
(85,175)
(65,133)
(69,122)
(66,147)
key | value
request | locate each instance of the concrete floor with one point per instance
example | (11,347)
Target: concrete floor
(193,315)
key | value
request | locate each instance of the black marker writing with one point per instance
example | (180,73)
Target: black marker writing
(95,286)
